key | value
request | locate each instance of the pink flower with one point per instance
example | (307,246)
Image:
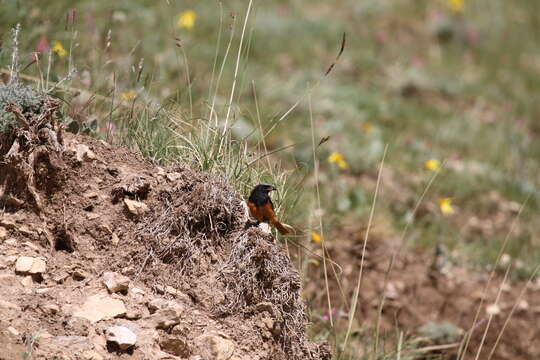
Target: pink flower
(42,45)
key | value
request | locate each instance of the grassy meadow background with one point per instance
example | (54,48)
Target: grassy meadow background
(449,88)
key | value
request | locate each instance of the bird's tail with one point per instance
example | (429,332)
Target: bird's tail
(281,228)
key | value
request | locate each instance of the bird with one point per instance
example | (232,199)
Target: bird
(261,206)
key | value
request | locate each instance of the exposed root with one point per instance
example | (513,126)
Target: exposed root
(34,157)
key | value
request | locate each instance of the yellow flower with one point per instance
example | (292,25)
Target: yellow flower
(59,49)
(433,165)
(367,127)
(337,158)
(315,237)
(128,95)
(456,5)
(186,19)
(446,207)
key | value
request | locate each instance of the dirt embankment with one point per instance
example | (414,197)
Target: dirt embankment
(104,255)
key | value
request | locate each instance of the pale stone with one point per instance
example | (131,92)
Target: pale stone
(133,315)
(265,228)
(11,242)
(136,208)
(38,267)
(493,309)
(43,290)
(156,304)
(215,347)
(27,281)
(83,153)
(30,265)
(173,176)
(24,264)
(79,275)
(115,282)
(91,195)
(121,336)
(51,308)
(3,232)
(13,331)
(167,318)
(92,216)
(114,239)
(99,307)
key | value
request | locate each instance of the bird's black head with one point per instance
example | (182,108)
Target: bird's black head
(259,195)
(264,188)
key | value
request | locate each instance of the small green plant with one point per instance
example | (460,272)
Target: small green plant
(25,98)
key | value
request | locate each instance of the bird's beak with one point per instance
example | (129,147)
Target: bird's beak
(271,188)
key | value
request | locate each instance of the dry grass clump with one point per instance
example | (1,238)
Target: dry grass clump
(259,276)
(191,221)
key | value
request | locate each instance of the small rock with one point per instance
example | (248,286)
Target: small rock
(30,265)
(171,291)
(24,264)
(38,267)
(91,195)
(173,176)
(167,318)
(137,291)
(121,336)
(11,330)
(79,275)
(50,308)
(265,228)
(115,282)
(215,347)
(92,216)
(11,242)
(60,277)
(27,281)
(175,346)
(133,315)
(3,232)
(136,208)
(160,171)
(99,307)
(43,290)
(157,304)
(523,305)
(83,153)
(493,309)
(114,239)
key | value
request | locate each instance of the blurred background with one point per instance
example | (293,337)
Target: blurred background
(429,118)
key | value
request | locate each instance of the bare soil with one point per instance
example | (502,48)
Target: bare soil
(428,288)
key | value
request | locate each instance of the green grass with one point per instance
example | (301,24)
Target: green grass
(469,101)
